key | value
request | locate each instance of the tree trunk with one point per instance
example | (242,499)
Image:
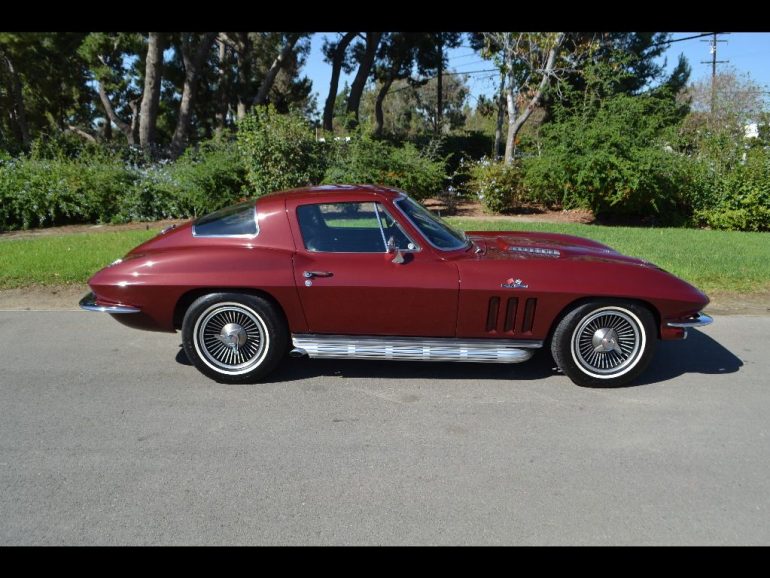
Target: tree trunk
(240,44)
(221,114)
(359,82)
(337,60)
(80,132)
(511,137)
(244,71)
(440,91)
(500,118)
(515,123)
(378,117)
(192,64)
(275,68)
(107,130)
(135,106)
(19,110)
(123,126)
(151,97)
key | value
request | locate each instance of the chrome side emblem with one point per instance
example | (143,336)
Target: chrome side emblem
(514,284)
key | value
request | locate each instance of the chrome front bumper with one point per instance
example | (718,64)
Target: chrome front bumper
(697,320)
(89,304)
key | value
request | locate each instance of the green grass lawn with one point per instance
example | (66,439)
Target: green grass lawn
(63,259)
(724,261)
(721,261)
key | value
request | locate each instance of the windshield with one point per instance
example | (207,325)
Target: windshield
(436,231)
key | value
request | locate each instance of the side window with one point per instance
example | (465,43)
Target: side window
(349,228)
(393,232)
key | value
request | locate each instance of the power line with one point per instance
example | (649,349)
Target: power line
(686,38)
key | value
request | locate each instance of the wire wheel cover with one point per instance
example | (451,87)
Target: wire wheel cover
(609,342)
(231,338)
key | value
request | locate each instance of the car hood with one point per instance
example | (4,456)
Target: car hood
(529,245)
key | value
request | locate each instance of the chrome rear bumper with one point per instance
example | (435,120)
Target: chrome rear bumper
(697,320)
(89,304)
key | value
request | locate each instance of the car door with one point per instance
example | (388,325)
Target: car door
(350,284)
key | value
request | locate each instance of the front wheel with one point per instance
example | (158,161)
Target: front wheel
(234,338)
(604,343)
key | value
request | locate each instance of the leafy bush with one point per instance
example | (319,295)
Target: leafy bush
(469,145)
(153,196)
(615,162)
(365,160)
(204,179)
(44,193)
(279,151)
(740,199)
(41,192)
(498,186)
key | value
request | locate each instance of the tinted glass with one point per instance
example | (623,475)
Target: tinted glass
(231,221)
(394,234)
(341,228)
(435,230)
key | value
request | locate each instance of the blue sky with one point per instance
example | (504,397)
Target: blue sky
(747,52)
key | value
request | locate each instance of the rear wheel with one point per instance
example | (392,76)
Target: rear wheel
(604,343)
(234,338)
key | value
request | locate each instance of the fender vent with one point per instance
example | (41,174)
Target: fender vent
(529,315)
(494,307)
(510,313)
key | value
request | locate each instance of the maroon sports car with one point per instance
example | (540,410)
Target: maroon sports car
(366,272)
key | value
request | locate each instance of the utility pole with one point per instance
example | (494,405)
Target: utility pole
(714,63)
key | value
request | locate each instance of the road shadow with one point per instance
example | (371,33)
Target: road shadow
(699,353)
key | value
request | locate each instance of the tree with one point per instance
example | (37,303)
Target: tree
(263,68)
(335,53)
(410,108)
(42,87)
(397,54)
(729,100)
(365,55)
(450,114)
(432,61)
(15,99)
(528,61)
(193,48)
(108,56)
(151,94)
(280,62)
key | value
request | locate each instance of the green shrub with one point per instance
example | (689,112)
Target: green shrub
(153,196)
(615,162)
(45,193)
(498,187)
(41,192)
(363,159)
(279,151)
(204,179)
(740,199)
(469,145)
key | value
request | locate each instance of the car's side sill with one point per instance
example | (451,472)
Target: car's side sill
(413,348)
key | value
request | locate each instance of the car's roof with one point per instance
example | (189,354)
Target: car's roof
(305,192)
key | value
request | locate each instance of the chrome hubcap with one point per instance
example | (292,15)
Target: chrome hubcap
(606,339)
(231,338)
(233,335)
(609,342)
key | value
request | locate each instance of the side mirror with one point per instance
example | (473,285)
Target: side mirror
(398,256)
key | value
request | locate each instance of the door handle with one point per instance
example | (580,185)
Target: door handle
(311,274)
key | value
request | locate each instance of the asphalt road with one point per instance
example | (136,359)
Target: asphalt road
(109,436)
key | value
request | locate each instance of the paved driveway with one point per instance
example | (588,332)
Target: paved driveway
(109,436)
